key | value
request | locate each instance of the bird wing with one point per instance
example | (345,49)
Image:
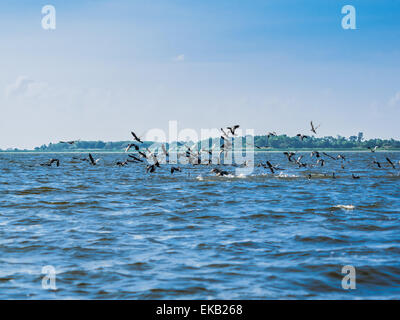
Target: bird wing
(91,159)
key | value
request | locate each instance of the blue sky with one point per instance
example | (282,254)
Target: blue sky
(115,66)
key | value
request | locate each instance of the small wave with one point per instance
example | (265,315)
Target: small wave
(345,207)
(286,175)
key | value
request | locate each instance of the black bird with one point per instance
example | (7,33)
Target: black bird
(289,155)
(328,155)
(316,153)
(154,157)
(143,155)
(321,161)
(302,136)
(373,149)
(272,168)
(219,173)
(129,146)
(136,137)
(122,164)
(377,163)
(271,134)
(151,168)
(69,142)
(313,128)
(390,162)
(135,158)
(333,175)
(92,161)
(233,129)
(224,134)
(340,156)
(354,176)
(173,169)
(50,162)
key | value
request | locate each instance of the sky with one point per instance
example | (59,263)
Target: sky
(110,67)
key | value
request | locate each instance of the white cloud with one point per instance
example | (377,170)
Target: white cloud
(395,100)
(180,57)
(24,86)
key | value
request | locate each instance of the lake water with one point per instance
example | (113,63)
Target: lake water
(119,233)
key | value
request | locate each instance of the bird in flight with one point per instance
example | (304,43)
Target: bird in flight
(233,129)
(70,142)
(373,149)
(173,169)
(135,159)
(289,155)
(224,134)
(92,161)
(321,161)
(272,168)
(50,162)
(391,163)
(136,137)
(354,176)
(122,163)
(313,128)
(340,156)
(271,134)
(131,145)
(151,168)
(316,153)
(328,155)
(377,163)
(219,173)
(301,136)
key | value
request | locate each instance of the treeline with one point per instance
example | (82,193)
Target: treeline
(281,142)
(339,142)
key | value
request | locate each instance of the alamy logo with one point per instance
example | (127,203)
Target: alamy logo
(49,20)
(49,280)
(349,280)
(349,20)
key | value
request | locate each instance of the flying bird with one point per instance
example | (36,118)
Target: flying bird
(219,173)
(136,137)
(70,142)
(272,168)
(131,145)
(224,134)
(321,161)
(151,168)
(313,128)
(289,155)
(50,162)
(302,136)
(316,153)
(377,163)
(390,162)
(173,169)
(122,163)
(373,149)
(135,158)
(328,155)
(233,129)
(92,161)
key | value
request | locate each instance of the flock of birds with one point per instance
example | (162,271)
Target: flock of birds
(193,156)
